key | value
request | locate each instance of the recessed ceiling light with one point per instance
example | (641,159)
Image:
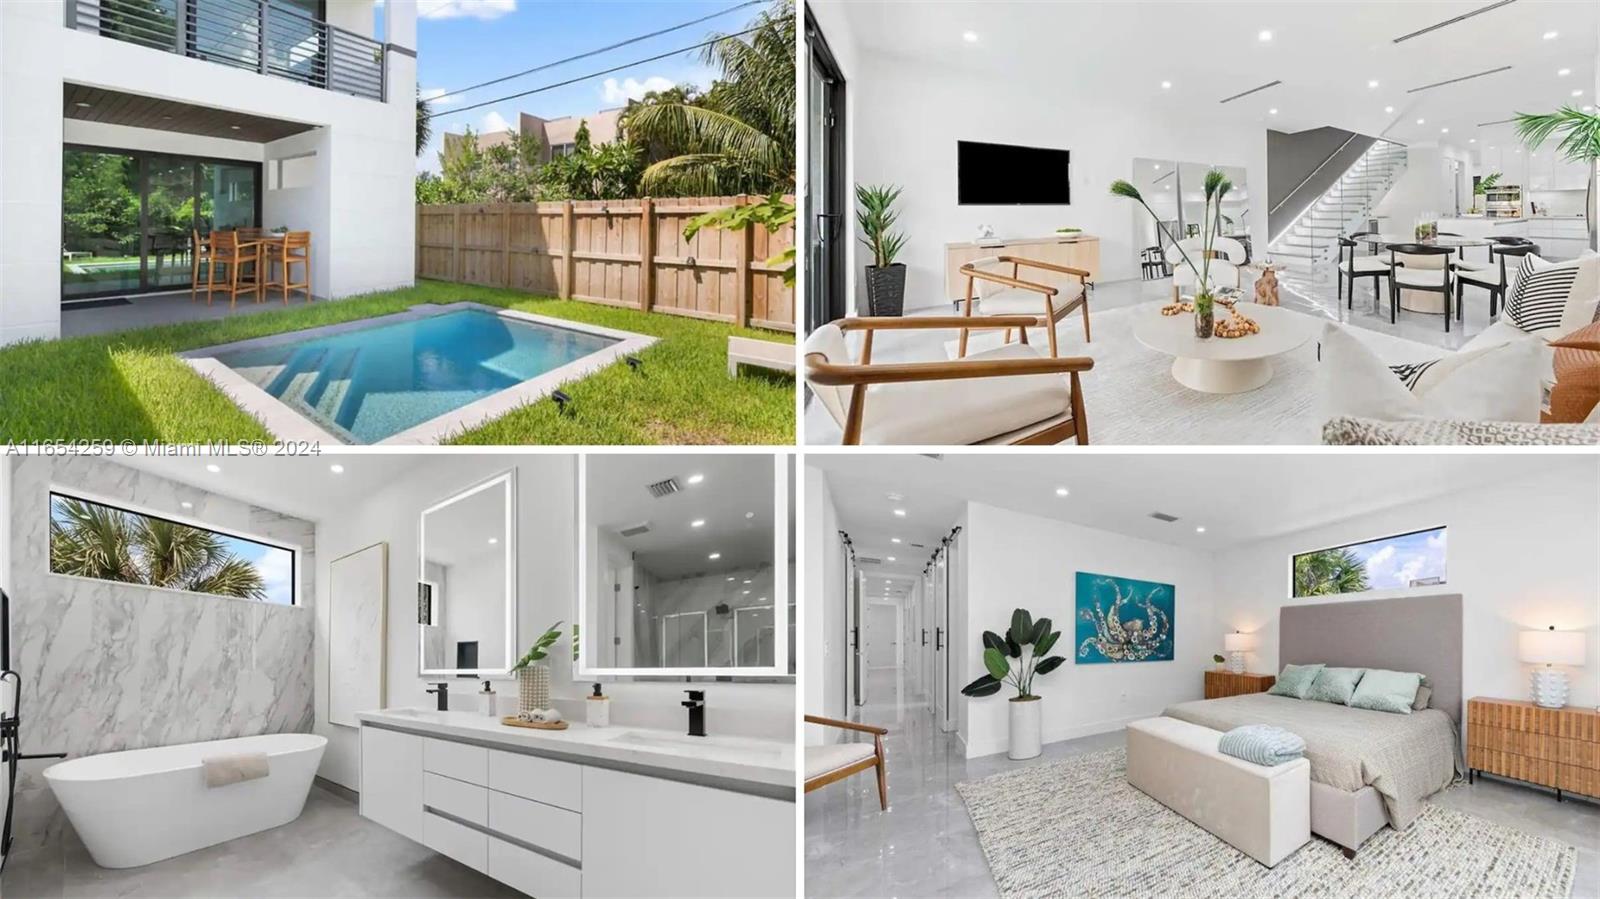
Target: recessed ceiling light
(1061,491)
(730,578)
(970,37)
(82,105)
(233,127)
(1588,108)
(746,592)
(714,556)
(1372,84)
(213,468)
(186,504)
(1564,72)
(1551,35)
(698,523)
(747,581)
(1166,85)
(900,513)
(696,478)
(1472,140)
(749,515)
(1388,109)
(1264,36)
(1422,121)
(1272,111)
(1444,130)
(1577,93)
(894,539)
(1200,530)
(891,558)
(493,540)
(336,468)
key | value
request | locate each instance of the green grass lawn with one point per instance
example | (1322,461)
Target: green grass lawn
(131,386)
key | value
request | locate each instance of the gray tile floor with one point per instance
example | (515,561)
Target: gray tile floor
(164,309)
(925,845)
(329,851)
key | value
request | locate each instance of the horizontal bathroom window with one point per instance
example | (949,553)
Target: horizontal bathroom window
(1414,559)
(95,540)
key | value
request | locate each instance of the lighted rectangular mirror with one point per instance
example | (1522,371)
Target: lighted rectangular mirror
(467,553)
(686,568)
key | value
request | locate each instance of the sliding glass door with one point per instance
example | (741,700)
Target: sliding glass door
(128,218)
(825,197)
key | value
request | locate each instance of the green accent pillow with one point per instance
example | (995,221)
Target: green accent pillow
(1387,691)
(1335,685)
(1295,681)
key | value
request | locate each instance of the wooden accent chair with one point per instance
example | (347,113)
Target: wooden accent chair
(199,254)
(294,249)
(1002,295)
(1007,395)
(235,252)
(836,761)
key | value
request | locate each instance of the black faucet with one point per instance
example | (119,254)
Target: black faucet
(444,696)
(696,704)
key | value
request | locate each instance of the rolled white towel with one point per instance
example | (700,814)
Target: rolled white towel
(543,716)
(231,769)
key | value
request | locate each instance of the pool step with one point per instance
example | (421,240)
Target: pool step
(334,386)
(298,376)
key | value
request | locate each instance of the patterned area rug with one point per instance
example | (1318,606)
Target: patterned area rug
(1076,828)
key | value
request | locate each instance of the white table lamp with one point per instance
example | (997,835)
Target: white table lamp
(1237,644)
(1550,648)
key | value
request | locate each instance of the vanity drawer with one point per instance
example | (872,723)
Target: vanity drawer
(457,760)
(535,823)
(466,801)
(540,779)
(465,845)
(532,873)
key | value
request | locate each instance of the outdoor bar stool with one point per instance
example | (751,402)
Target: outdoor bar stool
(199,255)
(1409,274)
(228,248)
(1373,267)
(294,249)
(1493,280)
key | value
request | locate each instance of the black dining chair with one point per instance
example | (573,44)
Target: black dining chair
(1427,280)
(1373,267)
(1494,280)
(1153,264)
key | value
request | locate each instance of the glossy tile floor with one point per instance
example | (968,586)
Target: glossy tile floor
(925,845)
(328,851)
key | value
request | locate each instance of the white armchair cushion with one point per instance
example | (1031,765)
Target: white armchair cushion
(963,411)
(822,759)
(1497,383)
(1021,301)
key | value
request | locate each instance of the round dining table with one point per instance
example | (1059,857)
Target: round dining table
(1416,300)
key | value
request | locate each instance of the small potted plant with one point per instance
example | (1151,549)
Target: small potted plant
(533,675)
(1028,642)
(1217,658)
(886,279)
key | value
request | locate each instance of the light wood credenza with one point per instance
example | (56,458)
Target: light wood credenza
(1076,250)
(1557,748)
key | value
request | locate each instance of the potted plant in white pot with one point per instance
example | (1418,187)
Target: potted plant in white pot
(886,279)
(533,675)
(1028,642)
(1217,186)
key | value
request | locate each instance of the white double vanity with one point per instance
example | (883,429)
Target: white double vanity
(587,811)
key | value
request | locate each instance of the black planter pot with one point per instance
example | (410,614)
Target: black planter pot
(886,289)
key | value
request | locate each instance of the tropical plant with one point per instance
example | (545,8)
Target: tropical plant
(1580,143)
(91,540)
(1328,572)
(424,123)
(1028,642)
(771,212)
(604,172)
(541,646)
(875,216)
(1486,183)
(738,137)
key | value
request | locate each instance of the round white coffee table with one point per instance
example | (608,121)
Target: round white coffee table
(1221,364)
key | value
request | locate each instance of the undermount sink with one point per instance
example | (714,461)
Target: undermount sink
(663,740)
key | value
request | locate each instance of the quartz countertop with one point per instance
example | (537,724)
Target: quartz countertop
(770,763)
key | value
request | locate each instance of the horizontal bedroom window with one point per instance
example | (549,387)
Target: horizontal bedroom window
(105,542)
(1415,559)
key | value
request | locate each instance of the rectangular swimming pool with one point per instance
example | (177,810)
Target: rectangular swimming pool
(366,384)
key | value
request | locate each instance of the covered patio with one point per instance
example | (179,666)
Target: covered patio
(148,310)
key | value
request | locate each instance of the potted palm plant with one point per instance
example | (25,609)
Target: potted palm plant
(1217,186)
(533,675)
(1484,185)
(1580,143)
(886,279)
(1028,643)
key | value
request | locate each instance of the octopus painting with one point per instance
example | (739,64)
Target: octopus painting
(1123,620)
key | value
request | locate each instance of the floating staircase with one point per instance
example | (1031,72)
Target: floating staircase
(1347,204)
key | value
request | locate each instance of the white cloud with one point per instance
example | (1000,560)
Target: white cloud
(276,569)
(461,9)
(432,95)
(613,93)
(494,121)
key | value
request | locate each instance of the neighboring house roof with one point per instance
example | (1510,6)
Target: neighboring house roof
(604,127)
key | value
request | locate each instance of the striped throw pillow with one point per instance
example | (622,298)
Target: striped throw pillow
(1540,296)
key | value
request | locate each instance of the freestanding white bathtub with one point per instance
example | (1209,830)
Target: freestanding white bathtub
(143,805)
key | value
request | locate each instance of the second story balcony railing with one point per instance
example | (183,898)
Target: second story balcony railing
(273,37)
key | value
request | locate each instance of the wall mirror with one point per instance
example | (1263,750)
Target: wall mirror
(1176,192)
(467,601)
(685,565)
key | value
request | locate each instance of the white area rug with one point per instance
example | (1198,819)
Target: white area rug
(1130,396)
(1076,828)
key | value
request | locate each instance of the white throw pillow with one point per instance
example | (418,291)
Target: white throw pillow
(1498,383)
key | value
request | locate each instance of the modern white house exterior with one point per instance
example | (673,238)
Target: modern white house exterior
(193,115)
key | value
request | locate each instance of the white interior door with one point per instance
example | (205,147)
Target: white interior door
(882,639)
(941,643)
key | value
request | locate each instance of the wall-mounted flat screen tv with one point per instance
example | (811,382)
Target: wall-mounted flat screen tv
(1009,175)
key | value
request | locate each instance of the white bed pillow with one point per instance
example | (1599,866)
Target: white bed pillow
(1498,383)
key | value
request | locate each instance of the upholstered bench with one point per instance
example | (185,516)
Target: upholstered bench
(1264,812)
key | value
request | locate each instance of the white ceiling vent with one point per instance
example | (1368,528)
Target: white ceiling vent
(868,560)
(1162,516)
(664,488)
(1448,22)
(634,530)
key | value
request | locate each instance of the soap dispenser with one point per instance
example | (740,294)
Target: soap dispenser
(599,708)
(486,698)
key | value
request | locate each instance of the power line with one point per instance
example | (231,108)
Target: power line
(627,65)
(607,49)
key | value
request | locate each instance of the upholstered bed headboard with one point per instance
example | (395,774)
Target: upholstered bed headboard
(1416,633)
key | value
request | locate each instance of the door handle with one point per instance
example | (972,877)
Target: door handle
(938,639)
(924,636)
(855,638)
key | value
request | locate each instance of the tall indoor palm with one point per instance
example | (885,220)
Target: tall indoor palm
(91,540)
(1580,143)
(739,137)
(1329,572)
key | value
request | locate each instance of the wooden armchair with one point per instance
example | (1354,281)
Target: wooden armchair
(836,761)
(1002,295)
(1007,395)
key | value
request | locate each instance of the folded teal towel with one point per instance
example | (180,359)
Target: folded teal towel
(1262,744)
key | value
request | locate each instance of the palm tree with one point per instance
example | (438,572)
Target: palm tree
(738,138)
(424,123)
(1580,143)
(1328,572)
(91,540)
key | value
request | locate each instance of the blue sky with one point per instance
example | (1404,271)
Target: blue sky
(1397,561)
(462,42)
(276,567)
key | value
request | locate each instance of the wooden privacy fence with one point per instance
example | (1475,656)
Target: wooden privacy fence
(628,253)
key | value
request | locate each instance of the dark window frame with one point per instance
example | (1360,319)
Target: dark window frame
(1295,556)
(294,552)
